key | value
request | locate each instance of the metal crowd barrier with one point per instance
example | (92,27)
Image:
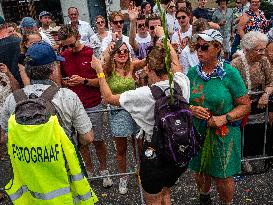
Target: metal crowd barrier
(264,155)
(136,159)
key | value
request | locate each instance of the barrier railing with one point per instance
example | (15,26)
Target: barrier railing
(136,159)
(264,155)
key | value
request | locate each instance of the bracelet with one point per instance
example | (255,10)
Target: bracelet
(191,106)
(100,75)
(266,93)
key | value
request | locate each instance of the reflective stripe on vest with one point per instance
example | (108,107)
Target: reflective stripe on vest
(47,196)
(84,197)
(77,177)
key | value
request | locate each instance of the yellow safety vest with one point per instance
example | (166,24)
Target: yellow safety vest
(40,156)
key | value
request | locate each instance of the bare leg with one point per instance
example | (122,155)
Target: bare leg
(121,146)
(101,153)
(153,199)
(84,150)
(225,188)
(203,182)
(166,196)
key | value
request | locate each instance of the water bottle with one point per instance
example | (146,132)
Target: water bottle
(150,153)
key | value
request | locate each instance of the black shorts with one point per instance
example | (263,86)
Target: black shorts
(155,176)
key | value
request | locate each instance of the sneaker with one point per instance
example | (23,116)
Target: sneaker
(247,166)
(123,185)
(107,181)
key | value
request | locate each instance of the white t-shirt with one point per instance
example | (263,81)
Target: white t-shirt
(188,59)
(176,38)
(140,102)
(147,39)
(172,23)
(45,38)
(85,31)
(96,43)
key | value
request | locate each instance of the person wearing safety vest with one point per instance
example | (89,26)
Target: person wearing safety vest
(46,169)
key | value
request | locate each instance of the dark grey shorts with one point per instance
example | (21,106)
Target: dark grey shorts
(97,121)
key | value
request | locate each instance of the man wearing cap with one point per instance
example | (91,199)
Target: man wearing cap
(41,59)
(40,66)
(9,50)
(29,24)
(83,27)
(45,19)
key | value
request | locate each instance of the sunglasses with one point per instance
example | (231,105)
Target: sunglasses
(72,45)
(141,25)
(124,51)
(118,22)
(153,27)
(100,22)
(238,2)
(204,47)
(181,17)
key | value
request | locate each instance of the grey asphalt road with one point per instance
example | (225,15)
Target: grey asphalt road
(254,190)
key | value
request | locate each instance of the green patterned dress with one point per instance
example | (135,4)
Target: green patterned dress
(220,155)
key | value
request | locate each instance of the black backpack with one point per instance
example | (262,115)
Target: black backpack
(34,110)
(173,136)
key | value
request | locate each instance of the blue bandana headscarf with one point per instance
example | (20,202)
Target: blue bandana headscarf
(218,71)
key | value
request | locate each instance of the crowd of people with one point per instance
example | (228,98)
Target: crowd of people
(220,59)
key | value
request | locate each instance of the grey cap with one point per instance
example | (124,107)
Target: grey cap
(44,13)
(211,35)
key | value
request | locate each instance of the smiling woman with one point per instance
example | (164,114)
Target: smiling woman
(120,79)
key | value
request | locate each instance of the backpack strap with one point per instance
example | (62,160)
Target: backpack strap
(49,93)
(19,95)
(177,88)
(157,92)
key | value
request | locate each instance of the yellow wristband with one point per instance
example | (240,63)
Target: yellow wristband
(101,75)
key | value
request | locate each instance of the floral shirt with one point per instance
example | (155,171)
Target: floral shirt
(261,73)
(257,22)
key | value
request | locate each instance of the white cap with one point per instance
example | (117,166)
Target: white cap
(211,35)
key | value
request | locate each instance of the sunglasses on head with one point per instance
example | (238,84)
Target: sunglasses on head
(72,45)
(141,25)
(181,17)
(118,22)
(100,22)
(123,51)
(204,47)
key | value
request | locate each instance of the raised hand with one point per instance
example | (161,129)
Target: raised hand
(133,12)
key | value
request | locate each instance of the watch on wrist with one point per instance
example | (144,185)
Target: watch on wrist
(228,118)
(85,81)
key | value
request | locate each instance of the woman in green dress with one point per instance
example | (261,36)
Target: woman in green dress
(218,101)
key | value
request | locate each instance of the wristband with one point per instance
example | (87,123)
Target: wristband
(101,75)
